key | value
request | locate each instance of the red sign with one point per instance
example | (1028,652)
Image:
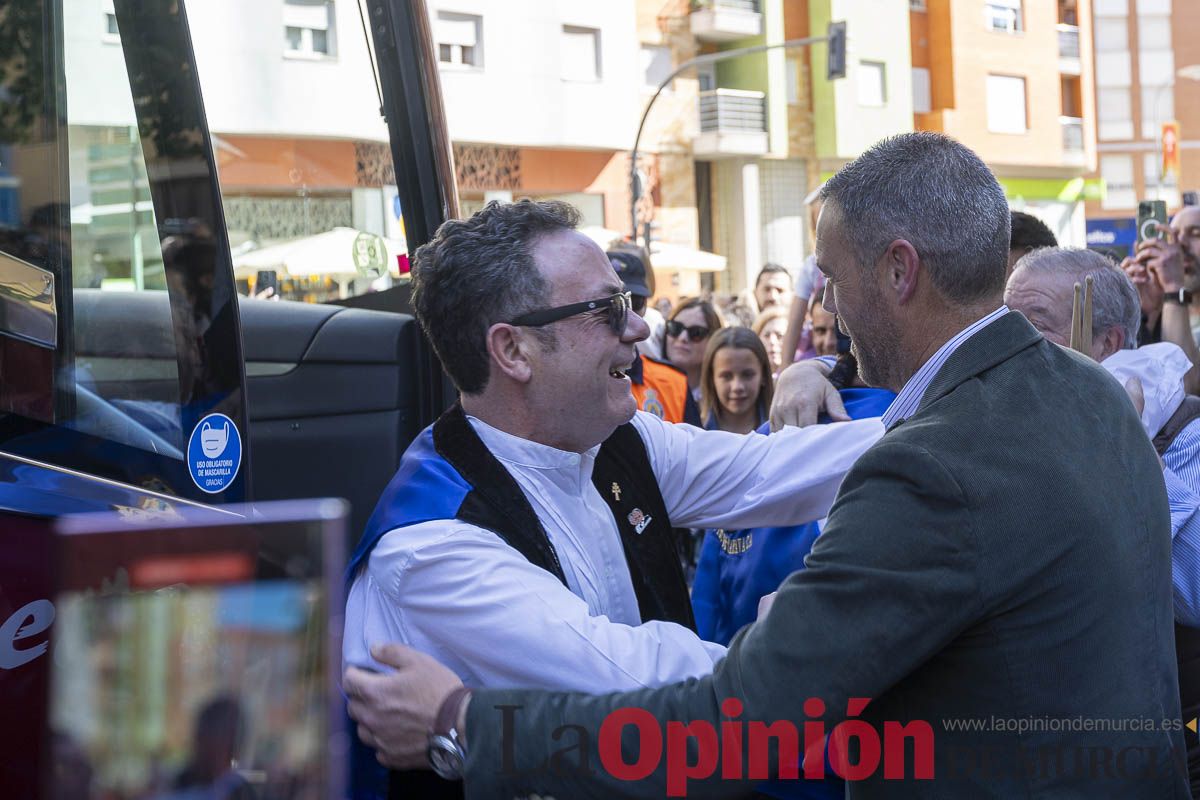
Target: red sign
(1170,149)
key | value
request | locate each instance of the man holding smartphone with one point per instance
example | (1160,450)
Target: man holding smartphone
(1166,271)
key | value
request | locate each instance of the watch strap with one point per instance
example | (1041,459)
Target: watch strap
(1182,297)
(447,713)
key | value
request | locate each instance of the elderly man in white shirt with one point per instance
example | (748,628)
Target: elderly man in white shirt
(528,318)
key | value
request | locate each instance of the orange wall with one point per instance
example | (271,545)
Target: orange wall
(795,20)
(918,34)
(594,172)
(1185,25)
(974,53)
(651,14)
(545,171)
(941,53)
(267,162)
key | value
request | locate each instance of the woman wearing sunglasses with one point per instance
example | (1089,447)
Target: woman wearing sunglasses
(687,331)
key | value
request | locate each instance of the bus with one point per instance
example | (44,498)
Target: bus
(136,375)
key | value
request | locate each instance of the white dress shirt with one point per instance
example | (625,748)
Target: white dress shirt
(459,593)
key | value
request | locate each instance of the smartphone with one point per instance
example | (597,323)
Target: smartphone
(1191,198)
(1151,212)
(267,278)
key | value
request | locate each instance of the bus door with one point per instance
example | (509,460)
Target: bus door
(121,374)
(119,333)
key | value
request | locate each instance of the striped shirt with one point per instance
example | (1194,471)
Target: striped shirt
(1181,470)
(905,404)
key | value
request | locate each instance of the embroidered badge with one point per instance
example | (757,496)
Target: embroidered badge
(734,545)
(653,405)
(616,491)
(638,520)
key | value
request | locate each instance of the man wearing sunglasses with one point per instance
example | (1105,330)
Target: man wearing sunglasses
(526,539)
(658,387)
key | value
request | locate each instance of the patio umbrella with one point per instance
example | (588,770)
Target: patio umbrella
(676,257)
(338,253)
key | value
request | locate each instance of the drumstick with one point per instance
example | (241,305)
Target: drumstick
(1085,338)
(1076,311)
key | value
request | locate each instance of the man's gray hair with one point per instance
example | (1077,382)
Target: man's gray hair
(939,196)
(1115,300)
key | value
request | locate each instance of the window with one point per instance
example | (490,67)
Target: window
(308,28)
(1156,67)
(1003,15)
(111,32)
(1159,186)
(459,38)
(1146,7)
(1158,106)
(1154,33)
(792,73)
(872,83)
(111,337)
(656,65)
(1006,112)
(922,101)
(1152,170)
(1117,173)
(1114,107)
(916,5)
(1114,69)
(580,53)
(1112,33)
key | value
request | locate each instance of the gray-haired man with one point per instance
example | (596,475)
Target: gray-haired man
(1042,288)
(978,562)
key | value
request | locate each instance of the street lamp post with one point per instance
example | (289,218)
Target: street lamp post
(836,37)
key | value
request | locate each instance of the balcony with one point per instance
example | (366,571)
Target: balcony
(725,20)
(1068,50)
(1072,140)
(732,123)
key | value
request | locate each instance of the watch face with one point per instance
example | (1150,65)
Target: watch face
(446,758)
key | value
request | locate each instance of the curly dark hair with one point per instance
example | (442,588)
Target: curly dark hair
(480,271)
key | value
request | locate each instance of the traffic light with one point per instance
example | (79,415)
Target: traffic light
(836,63)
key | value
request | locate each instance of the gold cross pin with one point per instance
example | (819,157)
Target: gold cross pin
(616,492)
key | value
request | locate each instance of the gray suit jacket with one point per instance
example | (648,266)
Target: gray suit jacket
(998,565)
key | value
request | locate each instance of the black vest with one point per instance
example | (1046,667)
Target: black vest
(623,477)
(1187,639)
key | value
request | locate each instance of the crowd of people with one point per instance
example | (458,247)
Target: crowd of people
(996,516)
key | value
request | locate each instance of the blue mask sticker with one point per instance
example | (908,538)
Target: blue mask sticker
(214,453)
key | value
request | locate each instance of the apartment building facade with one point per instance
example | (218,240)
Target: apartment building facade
(1012,79)
(301,147)
(746,127)
(1147,74)
(543,98)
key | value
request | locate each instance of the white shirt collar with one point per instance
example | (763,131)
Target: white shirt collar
(524,453)
(906,403)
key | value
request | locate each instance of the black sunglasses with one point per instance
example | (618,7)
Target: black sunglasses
(618,313)
(697,333)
